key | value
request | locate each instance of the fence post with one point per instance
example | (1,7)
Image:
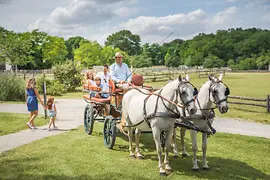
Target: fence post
(45,99)
(268,103)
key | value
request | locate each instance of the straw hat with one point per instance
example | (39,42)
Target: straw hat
(118,54)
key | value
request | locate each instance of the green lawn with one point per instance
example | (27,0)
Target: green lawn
(76,155)
(13,122)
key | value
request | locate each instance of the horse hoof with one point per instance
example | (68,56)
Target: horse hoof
(195,169)
(140,157)
(132,156)
(175,157)
(184,155)
(205,168)
(169,171)
(162,174)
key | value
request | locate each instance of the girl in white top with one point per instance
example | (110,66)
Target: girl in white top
(52,112)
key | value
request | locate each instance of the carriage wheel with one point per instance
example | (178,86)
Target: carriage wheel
(89,118)
(109,132)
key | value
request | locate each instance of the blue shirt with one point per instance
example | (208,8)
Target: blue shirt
(120,72)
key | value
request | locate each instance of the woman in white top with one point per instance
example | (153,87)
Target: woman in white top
(90,78)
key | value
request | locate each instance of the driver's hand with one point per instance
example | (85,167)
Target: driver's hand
(121,82)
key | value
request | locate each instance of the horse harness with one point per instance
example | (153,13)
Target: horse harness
(189,125)
(171,112)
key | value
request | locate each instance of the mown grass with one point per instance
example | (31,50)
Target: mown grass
(76,155)
(14,122)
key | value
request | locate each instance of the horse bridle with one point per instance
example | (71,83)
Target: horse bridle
(178,93)
(211,90)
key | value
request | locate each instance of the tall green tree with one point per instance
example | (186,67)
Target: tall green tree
(15,48)
(54,50)
(88,54)
(126,41)
(73,43)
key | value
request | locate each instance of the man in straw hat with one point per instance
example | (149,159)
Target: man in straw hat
(119,70)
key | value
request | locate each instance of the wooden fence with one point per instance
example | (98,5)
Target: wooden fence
(251,101)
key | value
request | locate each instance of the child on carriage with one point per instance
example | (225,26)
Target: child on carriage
(98,84)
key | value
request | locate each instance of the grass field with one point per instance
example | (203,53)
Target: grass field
(76,155)
(13,122)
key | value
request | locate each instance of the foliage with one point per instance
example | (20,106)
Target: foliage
(126,41)
(12,88)
(142,61)
(38,50)
(212,61)
(67,75)
(73,43)
(247,64)
(15,47)
(263,60)
(88,54)
(53,87)
(55,50)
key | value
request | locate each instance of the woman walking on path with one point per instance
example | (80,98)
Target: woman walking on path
(52,112)
(32,103)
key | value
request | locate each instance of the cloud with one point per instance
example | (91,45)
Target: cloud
(224,17)
(5,1)
(77,16)
(184,23)
(125,11)
(266,18)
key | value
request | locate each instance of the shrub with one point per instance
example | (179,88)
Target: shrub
(12,88)
(68,75)
(53,87)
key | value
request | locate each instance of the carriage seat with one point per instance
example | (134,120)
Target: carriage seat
(98,100)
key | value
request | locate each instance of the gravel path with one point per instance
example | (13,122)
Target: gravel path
(70,116)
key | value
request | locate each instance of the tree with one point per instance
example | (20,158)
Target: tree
(142,60)
(247,64)
(213,61)
(73,43)
(38,40)
(126,41)
(15,48)
(263,60)
(54,50)
(88,54)
(107,54)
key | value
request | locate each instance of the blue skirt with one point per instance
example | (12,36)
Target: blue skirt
(32,103)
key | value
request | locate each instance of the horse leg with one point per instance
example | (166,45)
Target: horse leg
(167,149)
(156,135)
(182,135)
(137,138)
(174,146)
(193,135)
(204,148)
(131,154)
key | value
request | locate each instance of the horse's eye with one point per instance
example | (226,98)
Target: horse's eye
(184,92)
(215,91)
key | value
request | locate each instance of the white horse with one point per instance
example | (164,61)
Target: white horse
(157,113)
(212,92)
